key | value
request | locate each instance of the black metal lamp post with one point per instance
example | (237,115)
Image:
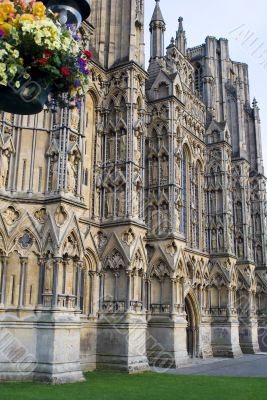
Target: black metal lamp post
(71,12)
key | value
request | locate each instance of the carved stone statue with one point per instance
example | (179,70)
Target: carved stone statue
(4,166)
(178,173)
(136,201)
(164,168)
(71,173)
(121,202)
(48,286)
(109,202)
(123,142)
(136,148)
(75,118)
(165,217)
(178,214)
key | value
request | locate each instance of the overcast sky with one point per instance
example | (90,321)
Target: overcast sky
(243,22)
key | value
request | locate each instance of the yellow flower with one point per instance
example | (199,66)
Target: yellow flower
(12,69)
(17,84)
(7,7)
(6,28)
(21,61)
(2,67)
(38,9)
(15,53)
(26,17)
(3,17)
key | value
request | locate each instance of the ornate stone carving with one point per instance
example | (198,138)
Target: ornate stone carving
(41,215)
(128,237)
(61,216)
(171,249)
(71,247)
(101,240)
(11,215)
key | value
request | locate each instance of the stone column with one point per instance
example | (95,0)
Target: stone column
(143,292)
(117,274)
(101,291)
(128,293)
(55,282)
(173,289)
(41,280)
(209,297)
(4,260)
(183,294)
(79,265)
(65,264)
(23,263)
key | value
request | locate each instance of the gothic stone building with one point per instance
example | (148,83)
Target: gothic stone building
(132,231)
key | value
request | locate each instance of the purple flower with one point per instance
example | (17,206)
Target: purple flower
(76,37)
(2,33)
(78,104)
(77,83)
(70,27)
(82,64)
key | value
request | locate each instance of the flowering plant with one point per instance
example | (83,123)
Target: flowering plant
(34,46)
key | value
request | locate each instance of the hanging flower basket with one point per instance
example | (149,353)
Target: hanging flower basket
(38,57)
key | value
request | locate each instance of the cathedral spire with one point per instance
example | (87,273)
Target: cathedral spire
(181,42)
(157,28)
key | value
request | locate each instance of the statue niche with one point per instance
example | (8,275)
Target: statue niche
(164,168)
(4,167)
(72,172)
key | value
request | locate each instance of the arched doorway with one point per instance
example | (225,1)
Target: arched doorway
(192,331)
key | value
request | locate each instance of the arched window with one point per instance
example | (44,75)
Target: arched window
(198,80)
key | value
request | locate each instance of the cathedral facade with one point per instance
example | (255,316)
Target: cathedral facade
(132,231)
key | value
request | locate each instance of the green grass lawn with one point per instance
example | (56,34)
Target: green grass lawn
(148,386)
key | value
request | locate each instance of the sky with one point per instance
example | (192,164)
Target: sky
(241,21)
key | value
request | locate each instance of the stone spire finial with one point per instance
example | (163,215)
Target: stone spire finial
(157,14)
(157,28)
(181,28)
(181,37)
